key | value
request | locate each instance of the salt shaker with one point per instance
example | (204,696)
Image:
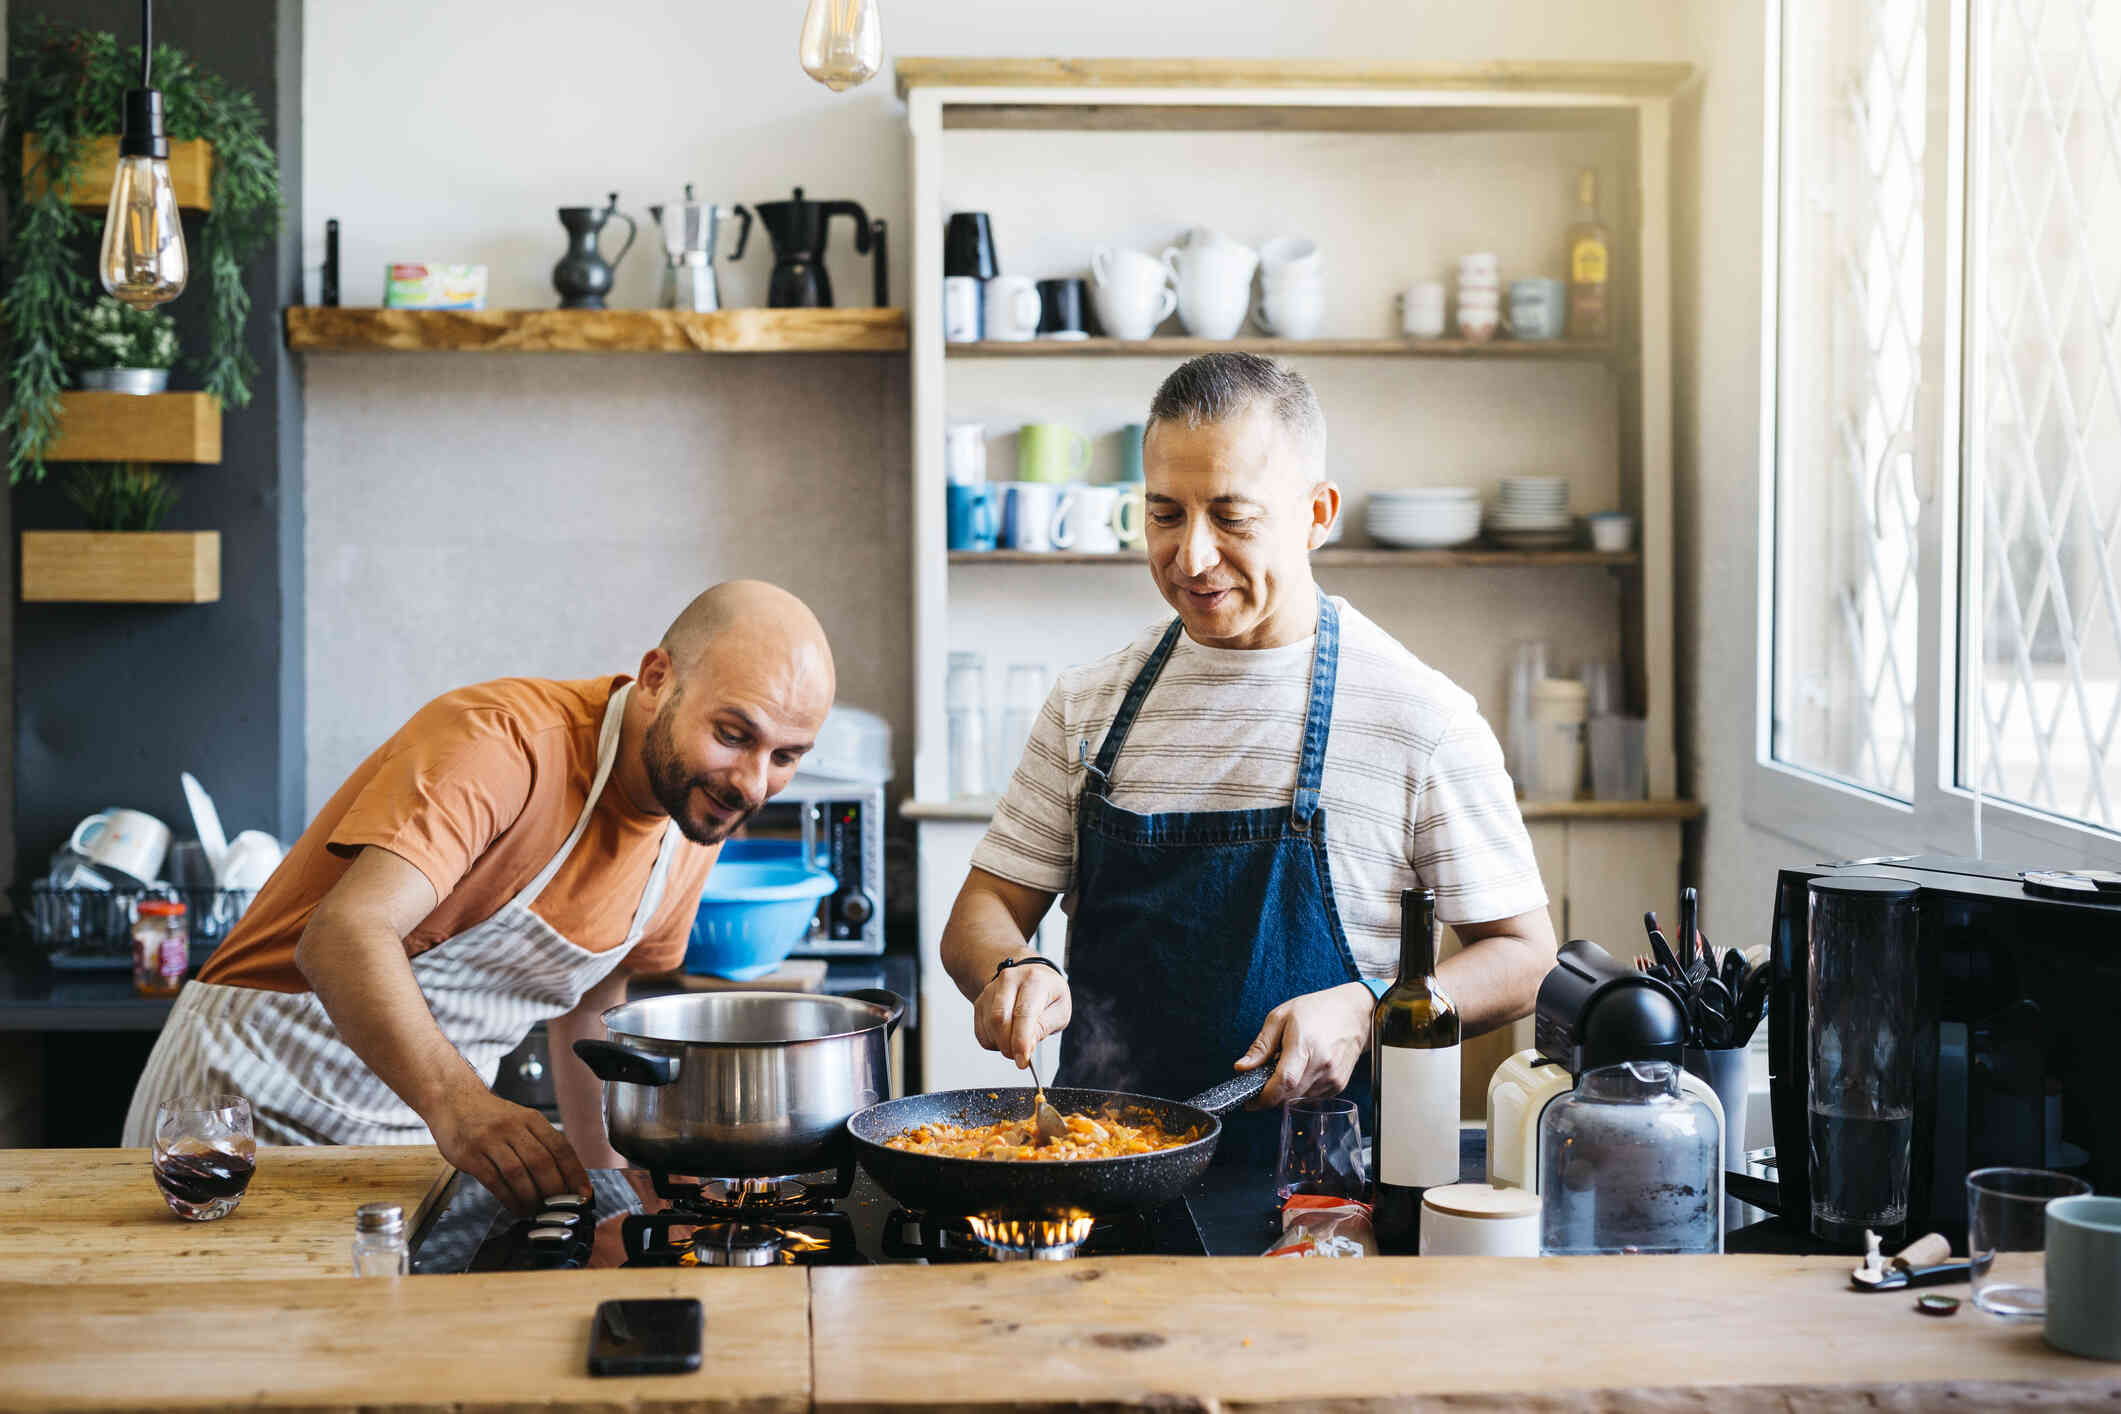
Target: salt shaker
(379,1241)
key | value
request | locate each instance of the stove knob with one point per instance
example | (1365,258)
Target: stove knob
(564,1217)
(855,907)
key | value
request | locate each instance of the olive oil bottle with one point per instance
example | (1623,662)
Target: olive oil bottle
(1414,1036)
(1590,264)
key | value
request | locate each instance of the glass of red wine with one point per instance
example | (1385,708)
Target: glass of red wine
(204,1154)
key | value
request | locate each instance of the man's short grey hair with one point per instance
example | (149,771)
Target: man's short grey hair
(1219,386)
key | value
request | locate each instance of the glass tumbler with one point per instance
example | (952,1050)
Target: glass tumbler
(1321,1150)
(965,708)
(1023,698)
(2006,1236)
(204,1154)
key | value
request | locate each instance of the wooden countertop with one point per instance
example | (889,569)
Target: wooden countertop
(95,1214)
(514,1341)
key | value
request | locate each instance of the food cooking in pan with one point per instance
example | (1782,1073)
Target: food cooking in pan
(1107,1137)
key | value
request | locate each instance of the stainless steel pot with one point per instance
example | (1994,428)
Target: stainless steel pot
(741,1084)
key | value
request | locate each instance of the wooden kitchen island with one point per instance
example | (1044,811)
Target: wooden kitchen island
(139,1311)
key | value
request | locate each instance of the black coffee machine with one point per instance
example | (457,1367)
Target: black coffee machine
(2015,1005)
(799,229)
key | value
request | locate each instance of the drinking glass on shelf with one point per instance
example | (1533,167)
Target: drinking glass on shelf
(965,708)
(1023,698)
(1528,667)
(2006,1236)
(1321,1150)
(204,1154)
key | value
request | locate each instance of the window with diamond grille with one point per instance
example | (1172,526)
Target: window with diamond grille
(2039,685)
(1851,349)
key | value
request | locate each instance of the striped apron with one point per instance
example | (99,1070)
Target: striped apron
(486,986)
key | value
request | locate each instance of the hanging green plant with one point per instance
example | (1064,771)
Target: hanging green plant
(120,495)
(66,87)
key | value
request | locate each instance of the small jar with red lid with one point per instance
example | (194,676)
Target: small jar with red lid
(161,946)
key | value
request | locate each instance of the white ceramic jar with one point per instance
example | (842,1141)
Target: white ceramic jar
(1475,1220)
(1559,706)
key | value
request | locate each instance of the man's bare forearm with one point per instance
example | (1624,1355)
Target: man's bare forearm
(579,1093)
(991,922)
(359,971)
(1494,978)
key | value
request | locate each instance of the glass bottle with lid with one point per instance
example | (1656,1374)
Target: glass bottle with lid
(379,1241)
(161,946)
(1628,1162)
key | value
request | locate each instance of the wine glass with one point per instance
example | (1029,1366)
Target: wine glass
(1321,1151)
(204,1154)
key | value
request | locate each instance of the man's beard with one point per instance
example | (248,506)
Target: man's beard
(673,787)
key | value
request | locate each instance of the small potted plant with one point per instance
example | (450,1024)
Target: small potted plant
(120,349)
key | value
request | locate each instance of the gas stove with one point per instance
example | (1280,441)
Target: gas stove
(636,1218)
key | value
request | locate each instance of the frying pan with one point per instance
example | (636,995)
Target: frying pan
(1035,1187)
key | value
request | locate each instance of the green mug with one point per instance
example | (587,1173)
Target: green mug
(1051,451)
(1130,451)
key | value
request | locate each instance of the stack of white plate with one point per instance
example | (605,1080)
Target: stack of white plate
(1532,513)
(1424,518)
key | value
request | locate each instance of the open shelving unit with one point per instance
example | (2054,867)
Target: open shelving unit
(1396,169)
(315,329)
(96,426)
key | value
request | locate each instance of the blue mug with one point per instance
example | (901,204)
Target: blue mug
(975,517)
(1538,309)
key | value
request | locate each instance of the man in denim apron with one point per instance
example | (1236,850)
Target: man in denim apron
(1207,939)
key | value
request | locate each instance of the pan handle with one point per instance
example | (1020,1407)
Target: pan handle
(612,1062)
(893,1004)
(1219,1100)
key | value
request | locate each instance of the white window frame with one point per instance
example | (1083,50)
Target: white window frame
(1832,817)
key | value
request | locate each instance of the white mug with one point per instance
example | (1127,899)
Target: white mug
(965,453)
(1028,516)
(1132,291)
(252,856)
(1012,309)
(1480,268)
(961,309)
(1291,314)
(131,842)
(1093,519)
(1421,308)
(1287,257)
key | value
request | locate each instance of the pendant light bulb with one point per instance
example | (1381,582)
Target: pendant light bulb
(843,42)
(142,260)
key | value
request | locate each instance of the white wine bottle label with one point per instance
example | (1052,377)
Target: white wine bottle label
(1417,1116)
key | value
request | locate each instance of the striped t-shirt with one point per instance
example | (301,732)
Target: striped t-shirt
(1414,791)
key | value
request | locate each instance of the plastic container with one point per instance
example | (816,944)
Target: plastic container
(752,914)
(1630,1164)
(1618,768)
(1558,711)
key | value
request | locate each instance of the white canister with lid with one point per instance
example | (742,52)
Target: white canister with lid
(1559,706)
(1476,1220)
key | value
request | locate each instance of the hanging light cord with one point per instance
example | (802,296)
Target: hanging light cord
(147,39)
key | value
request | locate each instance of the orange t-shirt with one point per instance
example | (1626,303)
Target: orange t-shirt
(478,792)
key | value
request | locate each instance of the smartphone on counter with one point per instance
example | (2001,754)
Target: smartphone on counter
(660,1337)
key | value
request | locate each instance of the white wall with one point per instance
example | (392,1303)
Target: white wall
(472,515)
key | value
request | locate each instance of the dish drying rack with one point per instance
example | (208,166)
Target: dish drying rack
(91,929)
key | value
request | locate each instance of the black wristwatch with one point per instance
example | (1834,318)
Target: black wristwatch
(1008,962)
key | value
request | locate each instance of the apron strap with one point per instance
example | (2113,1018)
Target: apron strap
(1116,734)
(652,893)
(607,753)
(1318,716)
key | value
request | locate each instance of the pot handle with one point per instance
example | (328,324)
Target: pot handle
(613,1062)
(892,1003)
(1219,1100)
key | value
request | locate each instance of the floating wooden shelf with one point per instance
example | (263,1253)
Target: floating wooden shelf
(1492,76)
(137,427)
(1331,558)
(191,172)
(312,329)
(981,807)
(138,567)
(1314,348)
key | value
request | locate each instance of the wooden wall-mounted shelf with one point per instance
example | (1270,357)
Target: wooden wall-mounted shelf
(137,427)
(191,172)
(1650,79)
(1333,557)
(313,329)
(137,567)
(1178,347)
(981,807)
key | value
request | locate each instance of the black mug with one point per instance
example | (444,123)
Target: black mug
(1060,309)
(968,246)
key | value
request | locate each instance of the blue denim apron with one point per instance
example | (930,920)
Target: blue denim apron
(1190,928)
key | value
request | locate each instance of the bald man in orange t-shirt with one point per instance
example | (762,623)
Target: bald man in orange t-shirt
(506,858)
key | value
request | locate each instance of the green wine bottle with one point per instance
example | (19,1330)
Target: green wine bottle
(1414,1037)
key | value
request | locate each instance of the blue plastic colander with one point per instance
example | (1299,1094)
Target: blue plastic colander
(756,907)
